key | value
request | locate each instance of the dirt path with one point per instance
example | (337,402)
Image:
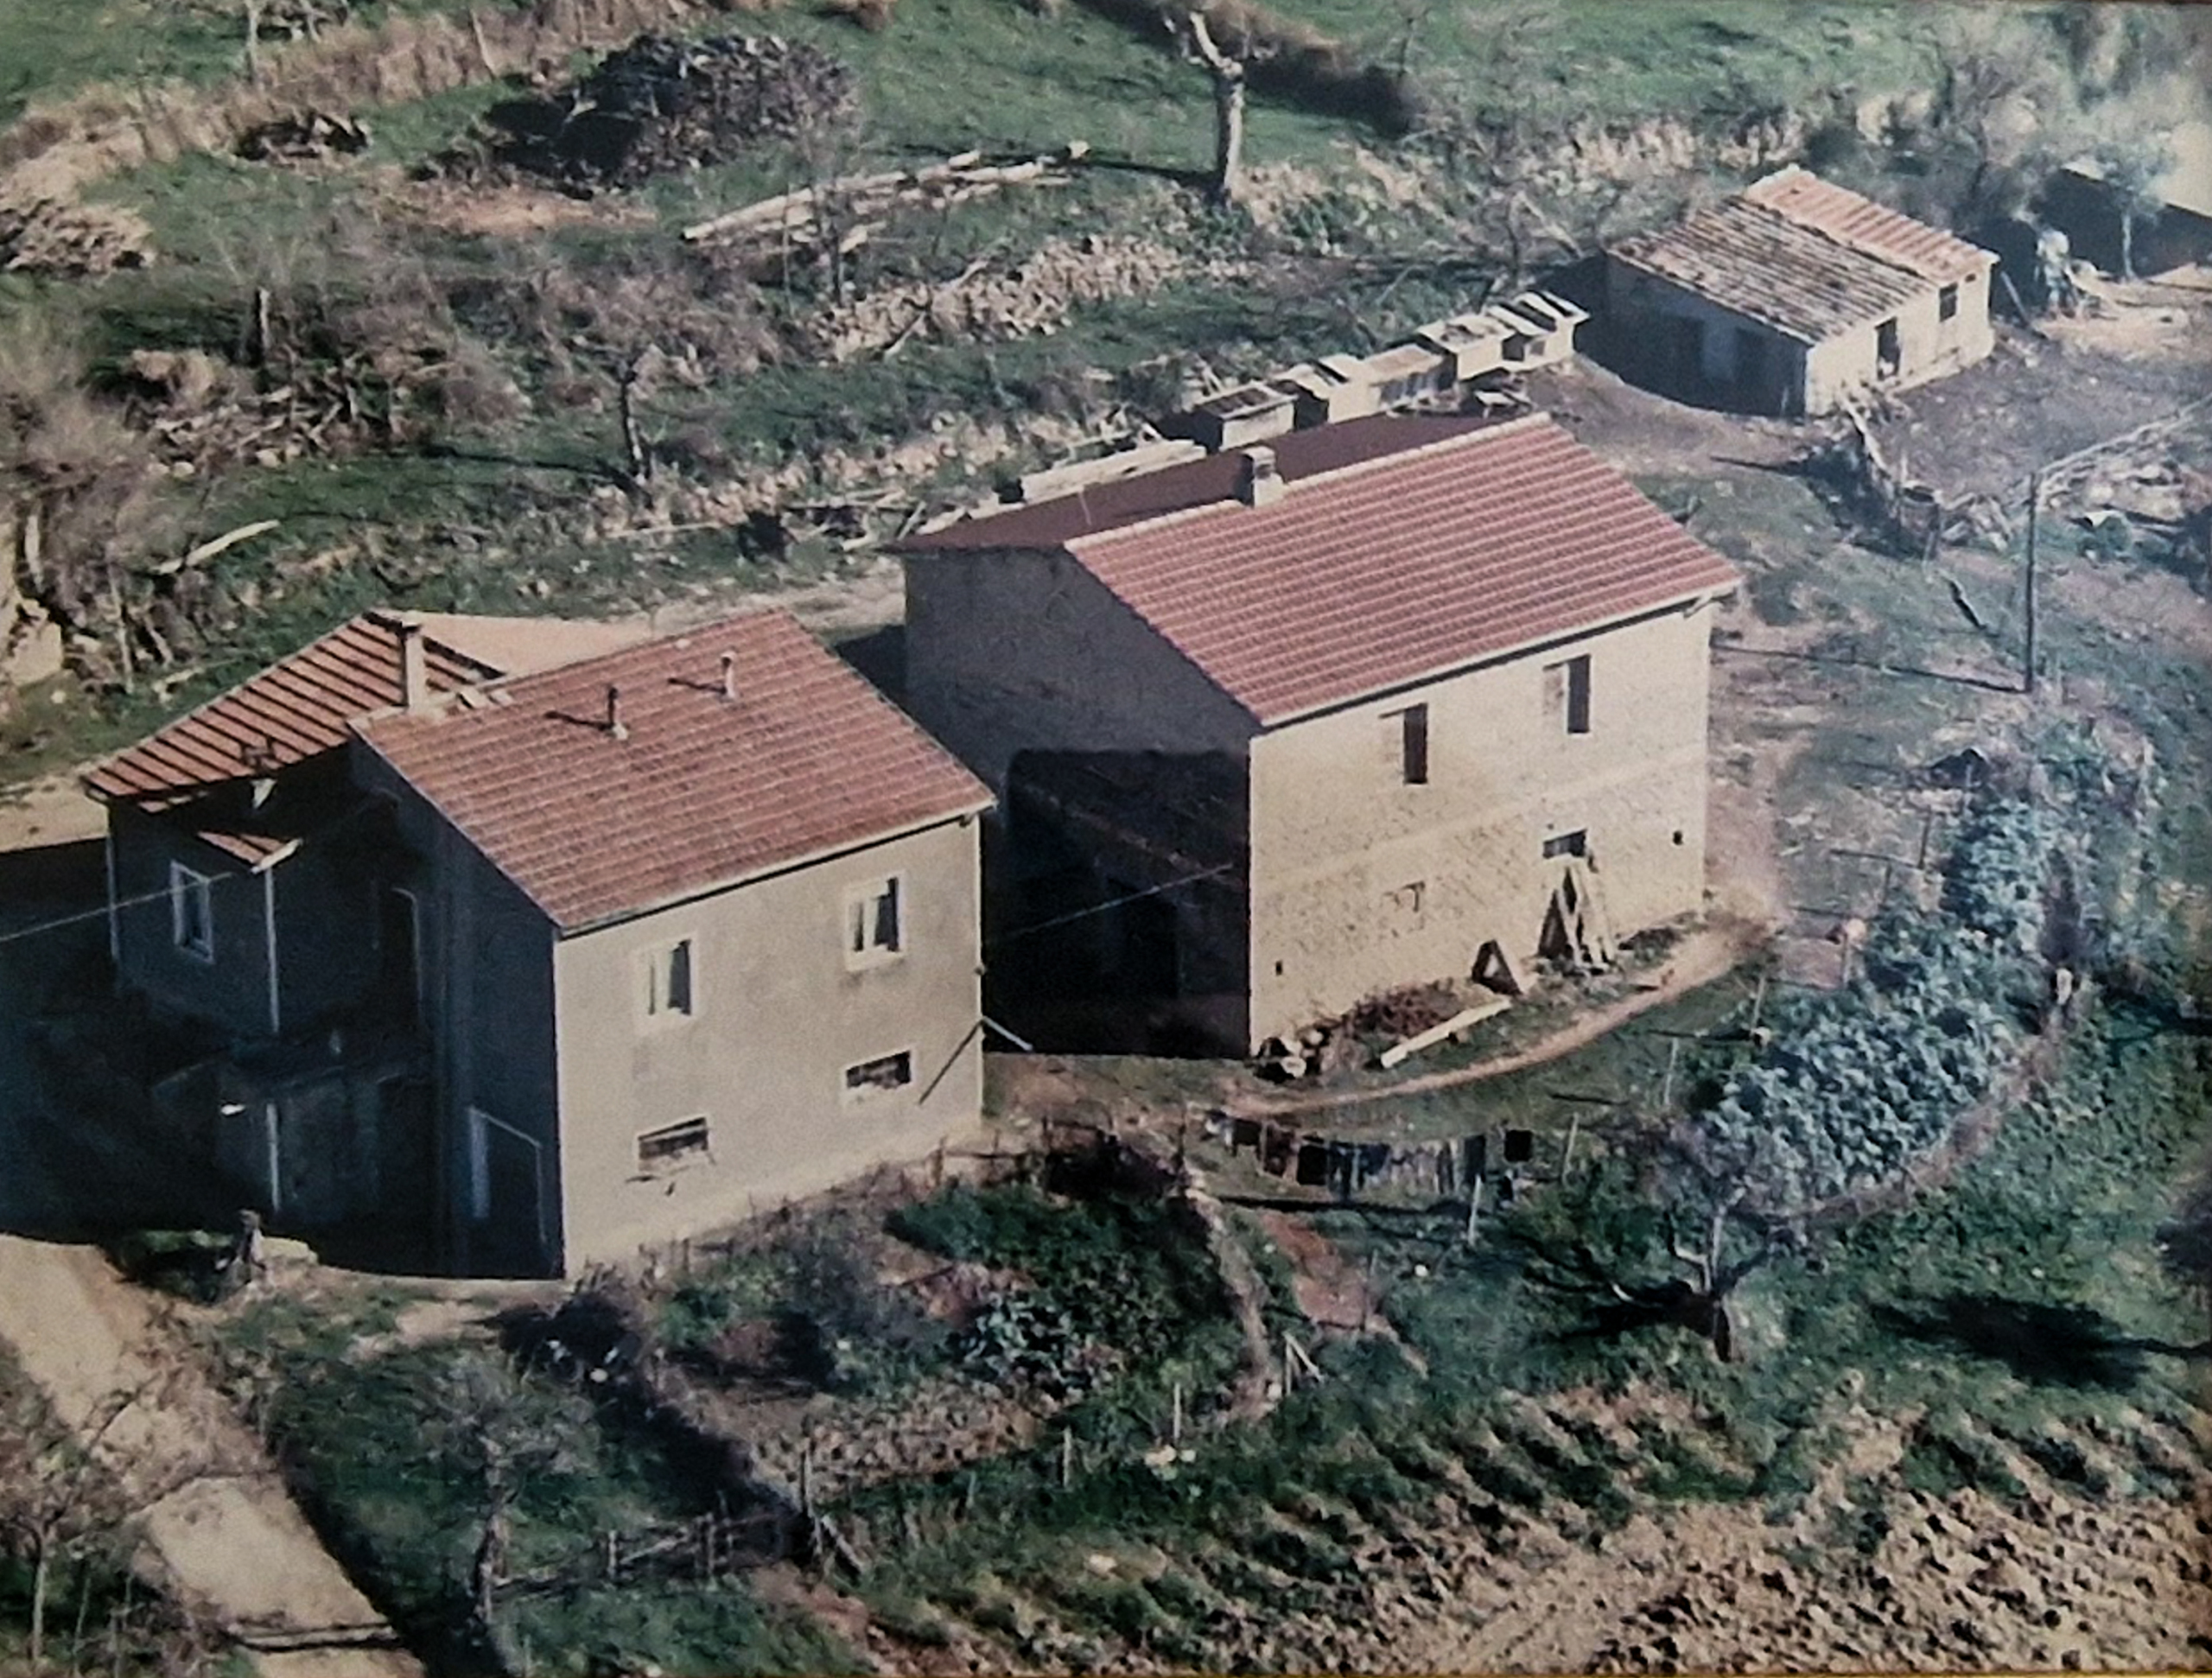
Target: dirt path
(1703,957)
(222,1528)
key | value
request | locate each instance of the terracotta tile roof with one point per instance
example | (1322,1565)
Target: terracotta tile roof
(1803,255)
(295,710)
(1194,483)
(700,792)
(300,707)
(1854,219)
(1396,566)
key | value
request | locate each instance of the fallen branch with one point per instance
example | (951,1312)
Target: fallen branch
(793,211)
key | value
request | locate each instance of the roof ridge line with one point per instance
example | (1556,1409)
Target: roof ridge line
(1889,260)
(1293,487)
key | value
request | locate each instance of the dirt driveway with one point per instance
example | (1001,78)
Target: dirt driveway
(224,1535)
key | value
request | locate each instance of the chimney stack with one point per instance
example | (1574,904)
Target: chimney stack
(615,726)
(414,666)
(729,675)
(1258,484)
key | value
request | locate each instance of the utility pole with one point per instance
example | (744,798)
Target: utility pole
(2035,502)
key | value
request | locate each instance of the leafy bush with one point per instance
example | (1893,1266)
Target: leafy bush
(1029,1340)
(1865,1080)
(1124,1271)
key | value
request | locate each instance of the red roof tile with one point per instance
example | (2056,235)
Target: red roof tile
(1806,257)
(1400,567)
(700,792)
(1856,220)
(1198,483)
(295,710)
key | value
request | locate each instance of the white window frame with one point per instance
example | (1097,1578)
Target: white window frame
(186,883)
(656,1008)
(691,1153)
(872,1091)
(857,927)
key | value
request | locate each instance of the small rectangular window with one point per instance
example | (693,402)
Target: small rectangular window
(1947,304)
(1576,843)
(891,1071)
(192,913)
(1410,727)
(1409,898)
(672,1144)
(668,991)
(1566,694)
(875,928)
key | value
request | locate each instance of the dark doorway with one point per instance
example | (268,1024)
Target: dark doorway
(1887,353)
(506,1232)
(1754,373)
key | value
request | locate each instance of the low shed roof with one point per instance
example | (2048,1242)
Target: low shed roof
(1804,255)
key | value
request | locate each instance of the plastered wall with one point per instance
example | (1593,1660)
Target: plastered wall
(1362,883)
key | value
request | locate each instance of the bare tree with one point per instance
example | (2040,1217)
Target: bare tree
(1228,72)
(497,1430)
(58,1501)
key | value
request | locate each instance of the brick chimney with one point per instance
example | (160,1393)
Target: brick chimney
(414,666)
(1258,483)
(615,726)
(729,675)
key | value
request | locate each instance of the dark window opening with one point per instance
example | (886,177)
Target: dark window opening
(668,982)
(672,1142)
(1576,843)
(874,922)
(1947,304)
(1566,694)
(192,913)
(891,1071)
(1886,351)
(1413,744)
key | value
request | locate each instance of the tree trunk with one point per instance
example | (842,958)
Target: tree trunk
(633,441)
(1228,75)
(2127,245)
(41,1563)
(1228,135)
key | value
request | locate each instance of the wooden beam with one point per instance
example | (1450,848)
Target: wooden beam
(1452,1027)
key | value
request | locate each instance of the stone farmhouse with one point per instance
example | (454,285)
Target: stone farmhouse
(1793,294)
(539,942)
(1276,730)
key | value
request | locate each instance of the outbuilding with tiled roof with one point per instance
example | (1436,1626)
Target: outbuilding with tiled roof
(1794,293)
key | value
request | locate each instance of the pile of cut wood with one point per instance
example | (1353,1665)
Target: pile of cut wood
(659,105)
(46,236)
(809,217)
(1382,1030)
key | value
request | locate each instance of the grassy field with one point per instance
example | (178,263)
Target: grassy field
(493,510)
